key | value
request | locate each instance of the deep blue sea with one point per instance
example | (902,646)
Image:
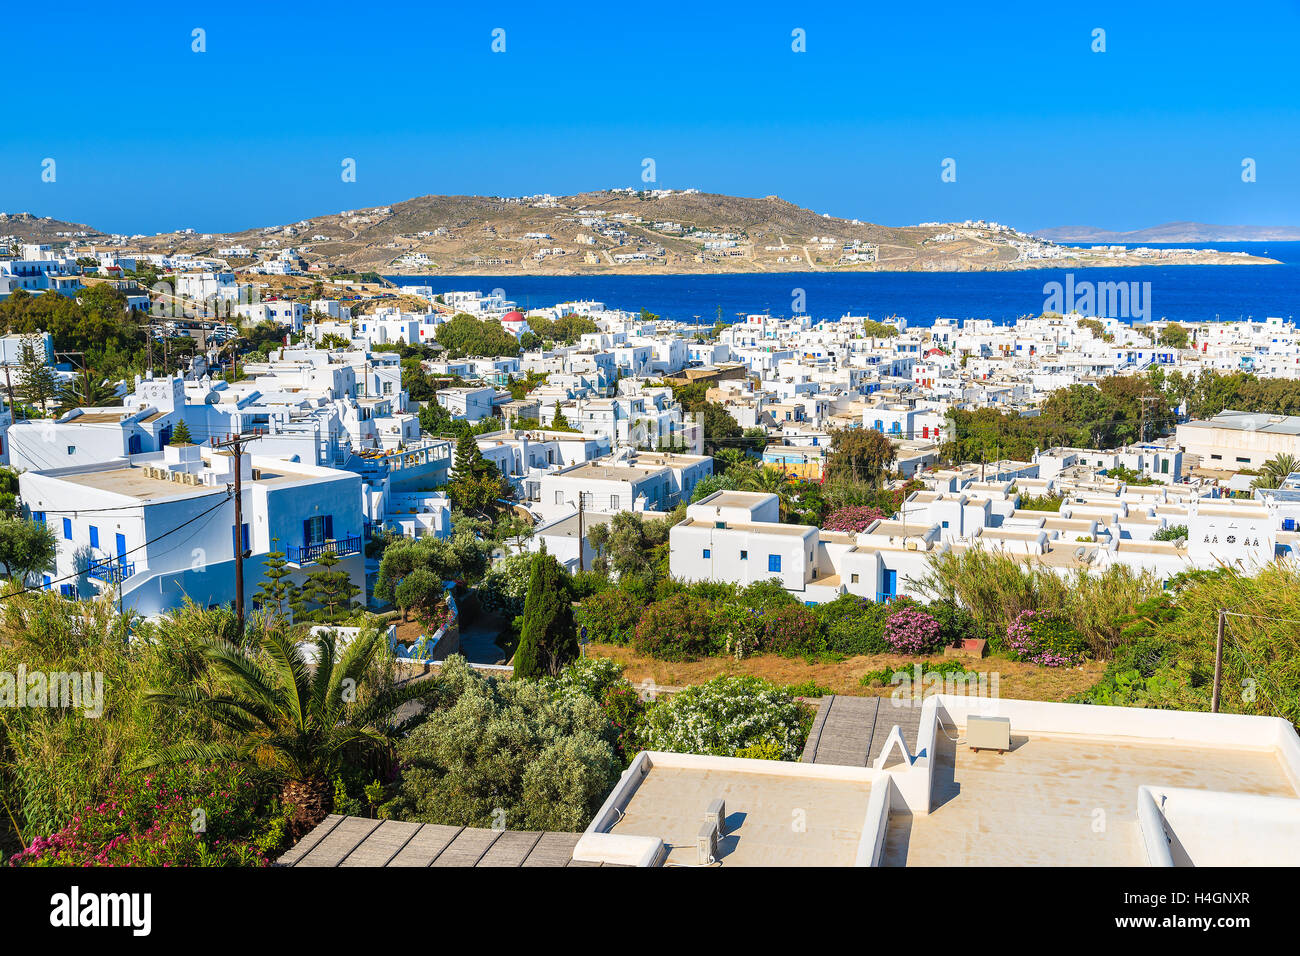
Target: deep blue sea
(1178,293)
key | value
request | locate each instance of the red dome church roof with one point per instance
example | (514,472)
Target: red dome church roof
(512,317)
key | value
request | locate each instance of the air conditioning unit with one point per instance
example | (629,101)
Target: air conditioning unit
(717,814)
(706,844)
(988,733)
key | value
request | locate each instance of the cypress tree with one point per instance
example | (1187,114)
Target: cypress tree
(548,639)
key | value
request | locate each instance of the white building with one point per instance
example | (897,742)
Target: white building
(160,525)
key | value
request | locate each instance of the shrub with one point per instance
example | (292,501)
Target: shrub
(808,688)
(853,518)
(913,631)
(505,585)
(511,753)
(788,630)
(610,617)
(1046,640)
(678,628)
(764,595)
(768,750)
(601,679)
(956,624)
(150,820)
(853,625)
(725,716)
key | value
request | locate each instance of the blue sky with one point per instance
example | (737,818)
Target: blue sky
(148,135)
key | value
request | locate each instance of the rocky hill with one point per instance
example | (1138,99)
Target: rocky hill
(621,231)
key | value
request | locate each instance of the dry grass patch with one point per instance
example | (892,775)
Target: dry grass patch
(1017,679)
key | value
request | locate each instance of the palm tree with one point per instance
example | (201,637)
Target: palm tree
(1275,471)
(86,390)
(301,721)
(768,480)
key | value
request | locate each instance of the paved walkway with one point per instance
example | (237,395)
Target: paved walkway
(851,731)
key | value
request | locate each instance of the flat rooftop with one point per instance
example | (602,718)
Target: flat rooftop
(609,472)
(134,483)
(1039,803)
(670,802)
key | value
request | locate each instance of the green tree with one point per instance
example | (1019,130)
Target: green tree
(181,434)
(1174,336)
(421,592)
(1275,471)
(332,591)
(462,558)
(518,753)
(463,335)
(548,639)
(86,390)
(302,723)
(276,592)
(38,385)
(26,548)
(863,454)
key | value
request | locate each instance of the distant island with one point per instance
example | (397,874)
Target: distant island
(1173,232)
(610,232)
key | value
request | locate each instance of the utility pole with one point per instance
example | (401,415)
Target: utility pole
(9,387)
(581,534)
(1218,661)
(236,443)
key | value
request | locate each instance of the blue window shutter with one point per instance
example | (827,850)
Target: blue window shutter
(329,527)
(306,531)
(67,528)
(94,536)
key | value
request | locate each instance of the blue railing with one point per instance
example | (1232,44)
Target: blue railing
(110,570)
(308,553)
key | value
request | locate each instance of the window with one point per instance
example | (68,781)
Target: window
(774,563)
(744,555)
(38,516)
(94,536)
(720,525)
(853,579)
(559,497)
(316,530)
(72,449)
(1244,461)
(613,502)
(67,528)
(707,554)
(945,524)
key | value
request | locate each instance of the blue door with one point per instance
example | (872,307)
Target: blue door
(121,546)
(891,583)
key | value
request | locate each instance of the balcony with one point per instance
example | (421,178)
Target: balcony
(309,553)
(110,570)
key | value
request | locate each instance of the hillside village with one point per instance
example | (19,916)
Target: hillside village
(625,230)
(561,507)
